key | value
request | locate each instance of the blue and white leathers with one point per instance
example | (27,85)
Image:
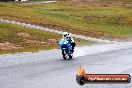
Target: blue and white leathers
(66,45)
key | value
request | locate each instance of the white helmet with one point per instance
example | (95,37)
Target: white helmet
(69,35)
(65,34)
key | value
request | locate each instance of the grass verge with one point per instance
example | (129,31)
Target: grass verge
(15,38)
(99,21)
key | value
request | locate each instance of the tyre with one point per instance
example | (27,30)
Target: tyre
(70,56)
(64,54)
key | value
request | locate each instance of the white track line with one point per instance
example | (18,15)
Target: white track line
(56,31)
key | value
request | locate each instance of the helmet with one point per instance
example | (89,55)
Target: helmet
(65,34)
(69,35)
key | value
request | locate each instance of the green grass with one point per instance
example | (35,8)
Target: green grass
(111,21)
(95,21)
(9,34)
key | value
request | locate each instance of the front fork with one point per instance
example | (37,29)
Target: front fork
(69,49)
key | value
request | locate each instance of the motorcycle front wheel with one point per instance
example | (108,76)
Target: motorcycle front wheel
(71,56)
(64,54)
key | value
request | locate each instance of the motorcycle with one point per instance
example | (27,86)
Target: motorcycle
(66,48)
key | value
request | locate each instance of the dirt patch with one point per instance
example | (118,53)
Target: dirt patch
(91,33)
(29,39)
(9,46)
(122,3)
(53,40)
(35,42)
(45,42)
(24,35)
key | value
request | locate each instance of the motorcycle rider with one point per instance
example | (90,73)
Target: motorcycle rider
(67,37)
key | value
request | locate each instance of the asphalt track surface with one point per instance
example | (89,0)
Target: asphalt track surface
(47,69)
